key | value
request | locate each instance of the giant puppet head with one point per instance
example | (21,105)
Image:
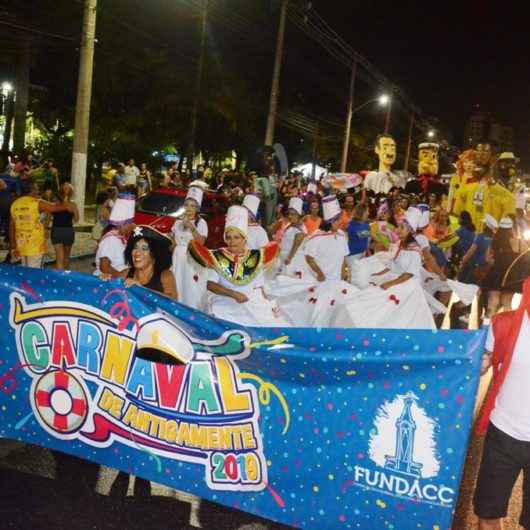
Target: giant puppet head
(485,154)
(506,168)
(428,159)
(385,149)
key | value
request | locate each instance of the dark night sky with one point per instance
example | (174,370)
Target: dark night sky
(447,56)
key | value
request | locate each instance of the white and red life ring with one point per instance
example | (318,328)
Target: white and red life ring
(61,401)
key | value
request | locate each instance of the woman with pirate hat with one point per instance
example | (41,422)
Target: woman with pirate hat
(191,279)
(148,255)
(236,275)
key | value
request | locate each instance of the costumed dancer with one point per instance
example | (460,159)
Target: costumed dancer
(257,236)
(310,301)
(191,279)
(394,297)
(110,260)
(236,275)
(292,257)
(434,279)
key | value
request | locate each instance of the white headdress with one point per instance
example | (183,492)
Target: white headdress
(196,193)
(122,212)
(296,204)
(237,218)
(413,217)
(251,203)
(330,208)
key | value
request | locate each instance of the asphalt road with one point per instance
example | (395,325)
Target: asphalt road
(37,492)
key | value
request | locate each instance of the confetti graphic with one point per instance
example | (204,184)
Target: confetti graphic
(313,428)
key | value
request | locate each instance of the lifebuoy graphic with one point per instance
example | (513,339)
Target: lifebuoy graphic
(61,401)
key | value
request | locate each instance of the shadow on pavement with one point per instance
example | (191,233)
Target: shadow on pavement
(28,502)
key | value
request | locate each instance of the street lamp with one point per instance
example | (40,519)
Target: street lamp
(7,87)
(383,100)
(431,134)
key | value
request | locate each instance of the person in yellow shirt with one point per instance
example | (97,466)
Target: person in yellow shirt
(484,196)
(26,231)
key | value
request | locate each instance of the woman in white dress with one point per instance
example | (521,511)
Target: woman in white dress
(395,297)
(310,301)
(191,279)
(292,258)
(236,276)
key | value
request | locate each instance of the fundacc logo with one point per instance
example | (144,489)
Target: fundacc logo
(403,445)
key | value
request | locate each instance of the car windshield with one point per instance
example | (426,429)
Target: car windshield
(160,204)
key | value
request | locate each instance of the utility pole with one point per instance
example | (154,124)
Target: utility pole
(275,89)
(349,114)
(409,142)
(22,96)
(9,106)
(315,152)
(82,108)
(388,111)
(198,88)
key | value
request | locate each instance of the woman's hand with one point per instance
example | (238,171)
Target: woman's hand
(240,298)
(129,282)
(287,261)
(321,277)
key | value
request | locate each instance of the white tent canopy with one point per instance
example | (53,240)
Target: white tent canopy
(307,170)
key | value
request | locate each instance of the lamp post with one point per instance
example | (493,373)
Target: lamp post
(383,100)
(387,118)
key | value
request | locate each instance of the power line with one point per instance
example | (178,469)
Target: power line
(311,23)
(36,31)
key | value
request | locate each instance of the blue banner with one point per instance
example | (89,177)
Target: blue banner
(313,428)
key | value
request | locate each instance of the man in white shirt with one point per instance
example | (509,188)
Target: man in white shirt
(131,173)
(506,417)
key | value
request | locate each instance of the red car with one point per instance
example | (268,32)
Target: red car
(161,208)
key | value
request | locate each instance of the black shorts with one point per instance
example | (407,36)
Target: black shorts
(503,459)
(63,235)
